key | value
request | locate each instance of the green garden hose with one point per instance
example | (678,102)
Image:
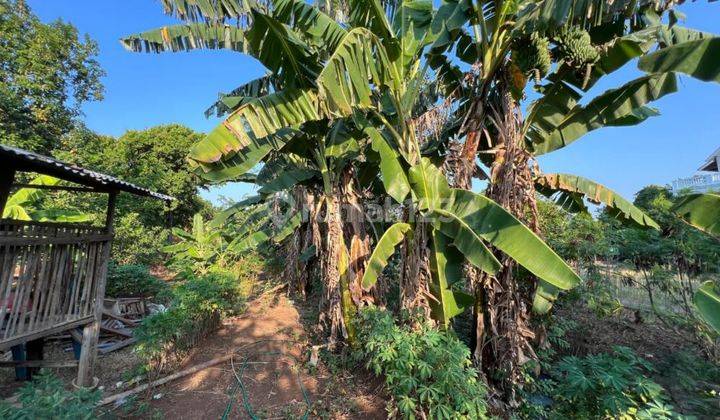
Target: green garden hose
(239,385)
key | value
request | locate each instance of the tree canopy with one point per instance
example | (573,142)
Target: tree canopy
(47,71)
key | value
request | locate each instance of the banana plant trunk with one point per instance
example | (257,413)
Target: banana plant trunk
(502,342)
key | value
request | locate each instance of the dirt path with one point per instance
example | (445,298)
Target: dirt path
(272,358)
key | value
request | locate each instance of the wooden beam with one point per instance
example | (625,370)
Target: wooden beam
(45,332)
(39,363)
(110,216)
(7,176)
(91,332)
(119,345)
(57,188)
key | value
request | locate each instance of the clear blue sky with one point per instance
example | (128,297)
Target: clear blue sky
(143,90)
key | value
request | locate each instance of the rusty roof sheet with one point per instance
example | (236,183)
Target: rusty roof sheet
(24,160)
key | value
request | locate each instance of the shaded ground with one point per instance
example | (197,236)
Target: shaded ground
(272,363)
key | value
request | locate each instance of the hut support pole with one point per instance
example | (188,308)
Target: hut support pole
(7,176)
(91,332)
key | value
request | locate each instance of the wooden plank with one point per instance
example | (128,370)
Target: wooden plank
(40,363)
(67,240)
(118,346)
(116,331)
(120,318)
(60,327)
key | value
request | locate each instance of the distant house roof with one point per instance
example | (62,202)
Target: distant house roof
(712,162)
(26,161)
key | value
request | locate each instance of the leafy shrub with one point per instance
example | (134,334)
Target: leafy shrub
(427,371)
(46,398)
(607,386)
(136,242)
(196,309)
(133,280)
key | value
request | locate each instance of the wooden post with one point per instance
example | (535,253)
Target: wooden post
(91,332)
(7,176)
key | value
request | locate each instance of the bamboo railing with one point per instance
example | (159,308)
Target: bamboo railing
(49,277)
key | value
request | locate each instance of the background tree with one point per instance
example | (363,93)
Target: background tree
(153,158)
(47,71)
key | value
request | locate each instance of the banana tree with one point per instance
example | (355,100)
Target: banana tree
(565,47)
(373,75)
(199,247)
(27,204)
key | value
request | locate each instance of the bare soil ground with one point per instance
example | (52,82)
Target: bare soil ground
(272,361)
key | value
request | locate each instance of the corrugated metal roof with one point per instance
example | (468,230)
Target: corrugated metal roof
(32,162)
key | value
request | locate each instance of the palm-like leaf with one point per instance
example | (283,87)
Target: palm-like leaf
(707,302)
(701,211)
(446,265)
(323,31)
(615,107)
(384,249)
(188,37)
(699,58)
(569,190)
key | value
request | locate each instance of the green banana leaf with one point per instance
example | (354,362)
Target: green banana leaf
(494,224)
(288,228)
(707,302)
(220,157)
(286,179)
(229,102)
(241,205)
(701,211)
(384,249)
(699,58)
(391,170)
(323,31)
(433,192)
(212,11)
(359,62)
(609,109)
(567,186)
(244,244)
(189,37)
(369,14)
(446,266)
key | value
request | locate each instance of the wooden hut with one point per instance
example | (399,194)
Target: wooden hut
(52,275)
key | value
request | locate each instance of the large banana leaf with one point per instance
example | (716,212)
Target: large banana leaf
(611,108)
(699,58)
(701,211)
(229,102)
(707,302)
(282,51)
(221,157)
(384,249)
(446,266)
(393,175)
(244,244)
(369,14)
(323,31)
(359,62)
(209,10)
(494,224)
(433,193)
(287,228)
(269,114)
(286,179)
(222,217)
(567,186)
(560,96)
(189,37)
